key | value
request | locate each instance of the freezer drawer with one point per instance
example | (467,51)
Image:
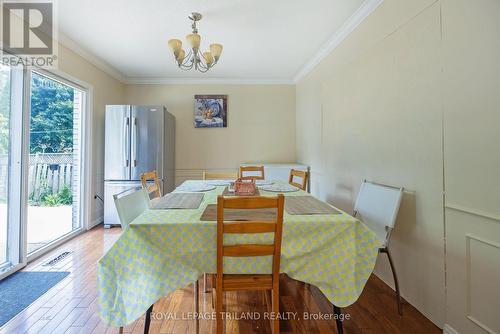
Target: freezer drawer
(112,188)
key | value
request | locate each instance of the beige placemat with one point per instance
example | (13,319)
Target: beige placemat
(210,214)
(308,205)
(179,201)
(227,193)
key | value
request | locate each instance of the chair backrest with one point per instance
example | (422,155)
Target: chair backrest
(220,175)
(250,227)
(252,172)
(151,184)
(130,204)
(300,174)
(377,206)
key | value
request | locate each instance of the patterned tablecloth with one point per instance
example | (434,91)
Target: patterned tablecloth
(164,250)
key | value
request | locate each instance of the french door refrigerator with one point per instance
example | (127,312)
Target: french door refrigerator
(137,139)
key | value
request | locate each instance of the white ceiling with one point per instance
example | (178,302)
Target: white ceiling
(263,39)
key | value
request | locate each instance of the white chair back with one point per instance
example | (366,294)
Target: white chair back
(130,204)
(377,207)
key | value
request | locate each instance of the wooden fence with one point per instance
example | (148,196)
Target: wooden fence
(48,172)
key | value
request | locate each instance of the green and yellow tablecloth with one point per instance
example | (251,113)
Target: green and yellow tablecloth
(164,250)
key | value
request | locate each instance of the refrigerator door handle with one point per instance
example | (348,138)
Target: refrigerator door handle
(134,142)
(125,140)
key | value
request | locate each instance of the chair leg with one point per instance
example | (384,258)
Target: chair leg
(147,322)
(205,282)
(219,322)
(275,309)
(338,319)
(196,294)
(396,283)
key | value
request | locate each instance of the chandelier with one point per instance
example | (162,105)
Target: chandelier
(195,59)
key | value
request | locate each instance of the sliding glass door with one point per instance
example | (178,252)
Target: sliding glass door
(41,163)
(54,160)
(11,115)
(4,158)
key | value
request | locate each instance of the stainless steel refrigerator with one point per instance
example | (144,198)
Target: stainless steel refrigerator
(137,139)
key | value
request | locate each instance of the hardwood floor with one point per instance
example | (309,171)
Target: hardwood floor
(71,306)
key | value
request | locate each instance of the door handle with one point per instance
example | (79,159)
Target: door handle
(125,141)
(134,142)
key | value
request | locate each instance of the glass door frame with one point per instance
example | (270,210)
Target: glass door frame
(15,237)
(84,195)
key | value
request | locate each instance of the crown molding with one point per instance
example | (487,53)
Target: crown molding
(207,81)
(367,7)
(90,57)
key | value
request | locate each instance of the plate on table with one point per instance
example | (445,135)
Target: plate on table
(218,183)
(280,188)
(263,182)
(197,187)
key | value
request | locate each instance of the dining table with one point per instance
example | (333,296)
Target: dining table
(164,250)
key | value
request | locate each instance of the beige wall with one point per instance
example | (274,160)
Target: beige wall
(105,90)
(261,125)
(471,103)
(411,98)
(372,110)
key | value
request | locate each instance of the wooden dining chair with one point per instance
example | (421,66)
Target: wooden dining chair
(257,282)
(151,184)
(216,176)
(220,175)
(256,172)
(300,174)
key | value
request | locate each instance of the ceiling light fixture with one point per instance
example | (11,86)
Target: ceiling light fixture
(195,59)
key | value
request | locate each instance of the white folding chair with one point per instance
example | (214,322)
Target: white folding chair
(377,207)
(130,204)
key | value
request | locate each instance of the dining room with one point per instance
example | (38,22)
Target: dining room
(250,166)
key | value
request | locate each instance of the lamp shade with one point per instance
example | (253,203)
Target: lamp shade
(181,55)
(216,50)
(208,57)
(175,45)
(194,40)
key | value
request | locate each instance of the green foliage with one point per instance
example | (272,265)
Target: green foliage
(51,200)
(47,198)
(66,196)
(51,122)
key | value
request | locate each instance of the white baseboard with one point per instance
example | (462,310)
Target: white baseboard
(447,329)
(96,221)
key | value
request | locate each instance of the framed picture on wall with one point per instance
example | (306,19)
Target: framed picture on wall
(210,111)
